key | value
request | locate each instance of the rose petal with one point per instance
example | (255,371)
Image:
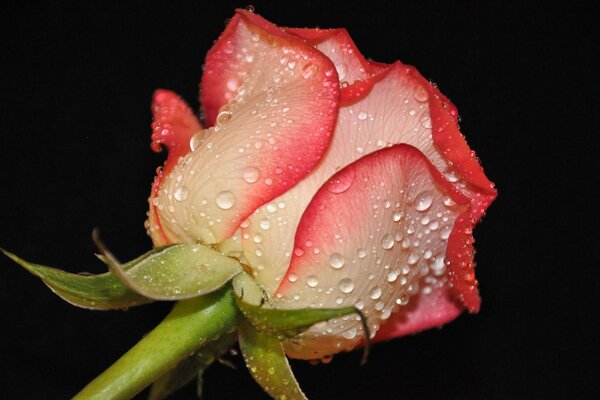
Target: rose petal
(428,309)
(355,73)
(174,124)
(463,167)
(390,114)
(367,238)
(287,94)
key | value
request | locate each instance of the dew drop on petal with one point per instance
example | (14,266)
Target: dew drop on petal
(448,202)
(225,200)
(387,242)
(423,201)
(349,334)
(196,140)
(346,285)
(312,281)
(397,216)
(251,174)
(341,182)
(309,70)
(362,115)
(438,265)
(336,260)
(421,94)
(265,224)
(393,275)
(445,233)
(181,193)
(361,253)
(223,117)
(375,292)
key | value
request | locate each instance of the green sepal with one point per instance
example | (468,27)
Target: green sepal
(177,272)
(190,368)
(266,361)
(97,292)
(283,323)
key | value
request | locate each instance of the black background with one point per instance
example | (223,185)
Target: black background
(74,143)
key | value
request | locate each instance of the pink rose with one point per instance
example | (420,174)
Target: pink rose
(336,180)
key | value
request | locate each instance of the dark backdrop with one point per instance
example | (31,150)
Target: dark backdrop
(74,143)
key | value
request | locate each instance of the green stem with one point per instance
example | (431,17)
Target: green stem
(188,327)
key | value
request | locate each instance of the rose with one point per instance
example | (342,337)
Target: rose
(336,180)
(337,196)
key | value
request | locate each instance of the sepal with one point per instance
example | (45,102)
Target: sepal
(97,292)
(176,272)
(266,361)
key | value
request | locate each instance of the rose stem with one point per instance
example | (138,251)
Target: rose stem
(185,329)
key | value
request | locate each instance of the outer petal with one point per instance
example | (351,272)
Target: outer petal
(428,309)
(282,94)
(173,126)
(396,110)
(355,73)
(463,168)
(369,238)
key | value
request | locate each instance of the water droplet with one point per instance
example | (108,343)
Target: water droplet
(309,70)
(362,115)
(445,233)
(349,334)
(271,370)
(257,238)
(181,193)
(292,277)
(336,260)
(346,285)
(341,182)
(312,281)
(375,292)
(251,174)
(225,200)
(423,201)
(449,202)
(438,265)
(361,253)
(412,259)
(387,242)
(397,216)
(265,224)
(421,94)
(426,122)
(339,300)
(393,275)
(196,140)
(223,117)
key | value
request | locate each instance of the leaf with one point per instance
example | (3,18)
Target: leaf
(175,272)
(265,358)
(191,368)
(98,292)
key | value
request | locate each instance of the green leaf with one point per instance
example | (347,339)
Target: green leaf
(190,368)
(98,292)
(176,272)
(268,365)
